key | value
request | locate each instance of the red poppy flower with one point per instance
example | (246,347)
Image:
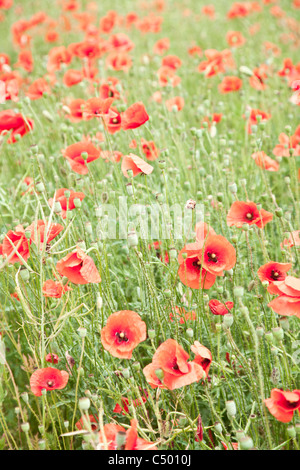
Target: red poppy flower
(120,61)
(241,213)
(37,89)
(54,289)
(120,42)
(15,122)
(136,164)
(81,424)
(25,61)
(175,103)
(181,315)
(229,84)
(253,118)
(176,372)
(76,110)
(74,153)
(190,268)
(273,271)
(283,404)
(287,144)
(39,227)
(203,230)
(125,403)
(16,242)
(134,116)
(97,107)
(288,301)
(203,356)
(78,267)
(57,56)
(66,203)
(235,39)
(108,438)
(161,46)
(149,149)
(157,247)
(72,77)
(171,61)
(124,330)
(217,308)
(48,378)
(218,255)
(167,76)
(53,358)
(113,122)
(258,78)
(263,161)
(293,240)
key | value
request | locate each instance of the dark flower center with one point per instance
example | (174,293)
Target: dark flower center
(197,264)
(121,337)
(115,120)
(50,383)
(274,274)
(212,257)
(249,216)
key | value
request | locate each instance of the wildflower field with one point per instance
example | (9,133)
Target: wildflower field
(149,225)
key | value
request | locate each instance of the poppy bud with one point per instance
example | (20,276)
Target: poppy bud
(218,427)
(240,435)
(136,366)
(291,431)
(228,320)
(269,337)
(41,429)
(274,351)
(162,164)
(126,373)
(77,202)
(260,331)
(159,374)
(238,292)
(28,234)
(47,115)
(17,410)
(220,289)
(25,427)
(42,444)
(246,443)
(279,212)
(120,439)
(82,332)
(57,207)
(66,424)
(246,71)
(132,239)
(190,332)
(218,327)
(284,322)
(84,403)
(40,187)
(278,333)
(130,173)
(230,408)
(151,334)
